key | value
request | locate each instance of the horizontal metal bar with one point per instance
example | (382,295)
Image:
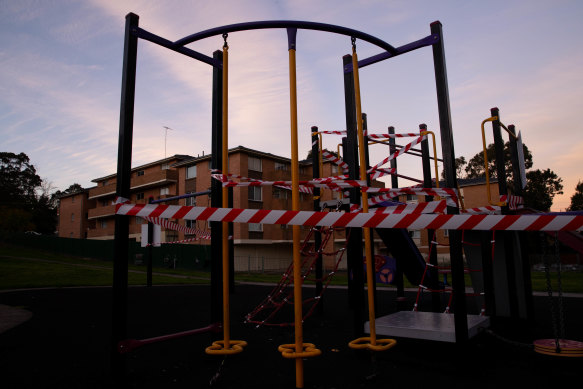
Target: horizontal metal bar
(184,196)
(143,34)
(427,41)
(285,24)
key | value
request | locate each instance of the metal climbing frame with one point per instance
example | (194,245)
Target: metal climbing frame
(219,125)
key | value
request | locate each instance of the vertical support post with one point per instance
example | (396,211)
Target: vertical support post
(216,191)
(518,191)
(231,248)
(225,200)
(150,251)
(354,248)
(486,238)
(428,183)
(366,230)
(298,313)
(122,223)
(395,184)
(317,234)
(448,153)
(507,237)
(369,183)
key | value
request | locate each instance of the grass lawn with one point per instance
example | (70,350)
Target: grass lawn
(30,268)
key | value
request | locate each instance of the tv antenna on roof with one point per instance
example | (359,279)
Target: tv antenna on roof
(165,137)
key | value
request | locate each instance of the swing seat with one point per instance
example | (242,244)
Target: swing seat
(567,348)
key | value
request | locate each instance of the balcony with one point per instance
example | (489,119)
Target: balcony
(100,191)
(99,212)
(146,181)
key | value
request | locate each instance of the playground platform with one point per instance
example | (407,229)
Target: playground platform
(66,344)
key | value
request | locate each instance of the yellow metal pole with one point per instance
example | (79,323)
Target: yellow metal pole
(225,225)
(362,161)
(298,314)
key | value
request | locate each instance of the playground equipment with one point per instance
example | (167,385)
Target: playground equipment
(221,215)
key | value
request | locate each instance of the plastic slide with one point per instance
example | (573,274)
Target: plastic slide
(404,250)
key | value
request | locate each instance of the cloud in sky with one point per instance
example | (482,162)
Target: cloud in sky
(60,77)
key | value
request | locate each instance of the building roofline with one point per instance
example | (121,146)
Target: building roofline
(149,164)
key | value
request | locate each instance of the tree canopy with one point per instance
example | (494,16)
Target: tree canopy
(24,202)
(542,185)
(577,198)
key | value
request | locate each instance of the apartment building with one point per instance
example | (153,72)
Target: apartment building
(73,219)
(270,245)
(156,179)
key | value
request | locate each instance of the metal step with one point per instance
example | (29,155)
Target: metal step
(425,325)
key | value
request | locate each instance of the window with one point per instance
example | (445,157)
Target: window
(191,172)
(210,164)
(255,164)
(72,199)
(139,220)
(191,201)
(140,173)
(255,227)
(103,224)
(255,193)
(165,166)
(446,233)
(140,196)
(104,203)
(279,193)
(415,234)
(164,191)
(104,182)
(72,217)
(335,169)
(281,166)
(412,199)
(191,224)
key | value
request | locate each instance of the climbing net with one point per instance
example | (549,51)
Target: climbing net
(445,270)
(270,310)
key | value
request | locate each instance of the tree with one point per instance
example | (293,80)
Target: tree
(541,188)
(309,156)
(459,162)
(475,167)
(73,188)
(25,201)
(577,198)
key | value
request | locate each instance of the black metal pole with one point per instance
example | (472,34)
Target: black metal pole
(448,155)
(488,272)
(369,183)
(231,248)
(503,191)
(317,233)
(399,282)
(216,194)
(518,191)
(122,223)
(150,254)
(354,249)
(428,183)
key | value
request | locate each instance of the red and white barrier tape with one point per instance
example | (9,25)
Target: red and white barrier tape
(334,159)
(380,172)
(490,210)
(177,227)
(388,136)
(403,150)
(347,219)
(514,202)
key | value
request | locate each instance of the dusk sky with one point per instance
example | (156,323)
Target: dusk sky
(61,67)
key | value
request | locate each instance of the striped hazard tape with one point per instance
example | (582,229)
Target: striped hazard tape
(334,159)
(358,219)
(397,153)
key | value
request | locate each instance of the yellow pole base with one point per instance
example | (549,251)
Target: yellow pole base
(289,351)
(365,343)
(218,347)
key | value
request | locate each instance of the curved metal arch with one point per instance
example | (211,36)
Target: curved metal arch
(286,24)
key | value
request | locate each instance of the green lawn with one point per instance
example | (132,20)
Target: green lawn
(30,268)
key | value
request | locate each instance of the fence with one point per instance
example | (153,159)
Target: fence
(180,256)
